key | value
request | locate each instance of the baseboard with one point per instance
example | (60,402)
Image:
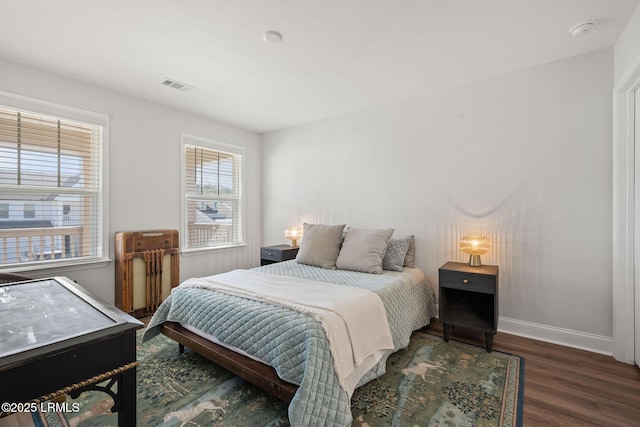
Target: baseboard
(566,337)
(554,335)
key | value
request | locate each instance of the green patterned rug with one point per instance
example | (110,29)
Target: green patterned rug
(431,383)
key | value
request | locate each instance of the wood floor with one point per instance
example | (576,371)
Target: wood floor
(565,386)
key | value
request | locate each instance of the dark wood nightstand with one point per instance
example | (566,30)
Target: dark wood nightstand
(469,298)
(277,253)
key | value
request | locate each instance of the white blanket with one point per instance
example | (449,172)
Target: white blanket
(353,319)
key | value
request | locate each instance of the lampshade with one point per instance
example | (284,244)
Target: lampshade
(293,234)
(475,246)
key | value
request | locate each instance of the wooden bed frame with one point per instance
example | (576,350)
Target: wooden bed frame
(257,373)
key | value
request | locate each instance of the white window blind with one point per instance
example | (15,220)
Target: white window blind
(50,189)
(213,197)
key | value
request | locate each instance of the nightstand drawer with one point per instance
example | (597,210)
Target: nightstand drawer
(278,253)
(468,282)
(271,254)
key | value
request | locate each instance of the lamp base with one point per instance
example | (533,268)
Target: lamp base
(293,243)
(474,260)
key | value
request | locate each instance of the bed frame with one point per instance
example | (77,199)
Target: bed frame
(257,373)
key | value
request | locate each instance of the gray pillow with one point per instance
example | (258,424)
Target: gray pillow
(320,245)
(396,251)
(410,257)
(363,250)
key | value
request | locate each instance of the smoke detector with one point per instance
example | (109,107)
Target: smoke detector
(174,84)
(581,29)
(272,37)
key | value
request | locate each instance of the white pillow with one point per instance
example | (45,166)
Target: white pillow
(320,245)
(363,250)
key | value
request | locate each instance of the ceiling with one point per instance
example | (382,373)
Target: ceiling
(337,56)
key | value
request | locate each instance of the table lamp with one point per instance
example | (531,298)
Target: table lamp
(293,234)
(475,246)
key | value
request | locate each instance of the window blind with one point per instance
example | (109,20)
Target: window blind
(213,207)
(50,188)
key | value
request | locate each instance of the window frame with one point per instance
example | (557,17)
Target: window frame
(38,106)
(210,144)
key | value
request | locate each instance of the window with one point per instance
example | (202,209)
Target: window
(50,184)
(29,211)
(212,184)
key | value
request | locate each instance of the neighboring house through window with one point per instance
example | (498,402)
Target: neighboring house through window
(213,205)
(51,183)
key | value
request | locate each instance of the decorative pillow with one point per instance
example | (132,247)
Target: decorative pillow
(320,245)
(410,257)
(396,251)
(363,250)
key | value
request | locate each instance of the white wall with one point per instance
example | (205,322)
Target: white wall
(627,48)
(144,178)
(524,158)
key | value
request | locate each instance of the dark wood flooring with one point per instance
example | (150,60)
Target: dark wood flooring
(565,386)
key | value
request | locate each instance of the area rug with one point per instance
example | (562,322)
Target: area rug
(431,383)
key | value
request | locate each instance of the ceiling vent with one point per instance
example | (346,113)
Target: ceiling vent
(172,83)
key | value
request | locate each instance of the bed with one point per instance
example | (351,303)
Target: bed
(284,350)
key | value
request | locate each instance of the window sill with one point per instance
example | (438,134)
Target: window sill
(55,269)
(199,251)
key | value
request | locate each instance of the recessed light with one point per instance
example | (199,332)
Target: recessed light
(581,29)
(272,37)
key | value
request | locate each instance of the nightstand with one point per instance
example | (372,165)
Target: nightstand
(469,298)
(277,253)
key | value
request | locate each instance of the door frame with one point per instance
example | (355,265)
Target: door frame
(626,233)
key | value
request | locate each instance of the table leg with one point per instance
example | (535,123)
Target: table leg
(447,330)
(489,341)
(127,398)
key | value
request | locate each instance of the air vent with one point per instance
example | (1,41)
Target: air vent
(172,83)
